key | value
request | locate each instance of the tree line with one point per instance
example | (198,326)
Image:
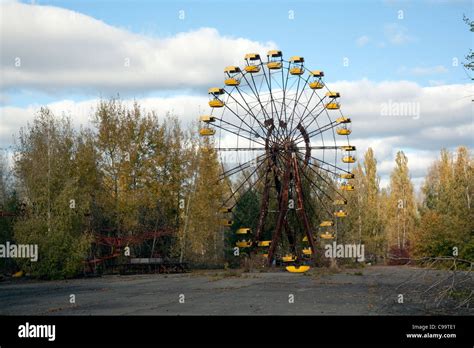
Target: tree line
(133,172)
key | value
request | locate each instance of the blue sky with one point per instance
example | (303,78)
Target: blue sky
(323,31)
(430,35)
(72,53)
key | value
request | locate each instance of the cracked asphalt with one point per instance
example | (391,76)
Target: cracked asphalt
(369,291)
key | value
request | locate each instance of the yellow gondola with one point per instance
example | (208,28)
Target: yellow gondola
(216,91)
(297,68)
(305,238)
(333,106)
(307,251)
(216,103)
(274,54)
(333,94)
(343,119)
(251,58)
(288,258)
(317,73)
(326,224)
(243,231)
(252,69)
(348,159)
(296,59)
(243,244)
(340,202)
(225,210)
(340,213)
(232,70)
(207,119)
(347,176)
(326,235)
(226,222)
(343,131)
(296,71)
(264,243)
(347,187)
(274,65)
(231,82)
(300,269)
(316,85)
(206,132)
(348,148)
(18,274)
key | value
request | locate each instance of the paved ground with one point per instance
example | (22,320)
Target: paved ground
(369,291)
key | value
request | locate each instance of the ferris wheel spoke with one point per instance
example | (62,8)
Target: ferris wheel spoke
(303,117)
(309,112)
(238,133)
(322,129)
(272,105)
(315,119)
(257,97)
(245,181)
(297,99)
(249,109)
(259,179)
(241,167)
(257,92)
(316,188)
(328,164)
(326,182)
(308,102)
(250,128)
(316,132)
(314,184)
(240,149)
(283,104)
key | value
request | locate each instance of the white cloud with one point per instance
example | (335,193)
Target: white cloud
(59,49)
(445,118)
(186,108)
(397,34)
(362,41)
(439,106)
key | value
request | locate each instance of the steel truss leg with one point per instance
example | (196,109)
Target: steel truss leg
(283,209)
(300,208)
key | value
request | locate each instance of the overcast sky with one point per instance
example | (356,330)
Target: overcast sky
(378,54)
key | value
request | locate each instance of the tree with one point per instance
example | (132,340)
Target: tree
(145,168)
(374,231)
(469,64)
(48,177)
(401,209)
(204,239)
(364,222)
(446,212)
(9,204)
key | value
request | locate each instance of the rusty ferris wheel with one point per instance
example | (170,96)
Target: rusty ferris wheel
(284,127)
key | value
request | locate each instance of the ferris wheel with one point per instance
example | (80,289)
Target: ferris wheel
(279,131)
